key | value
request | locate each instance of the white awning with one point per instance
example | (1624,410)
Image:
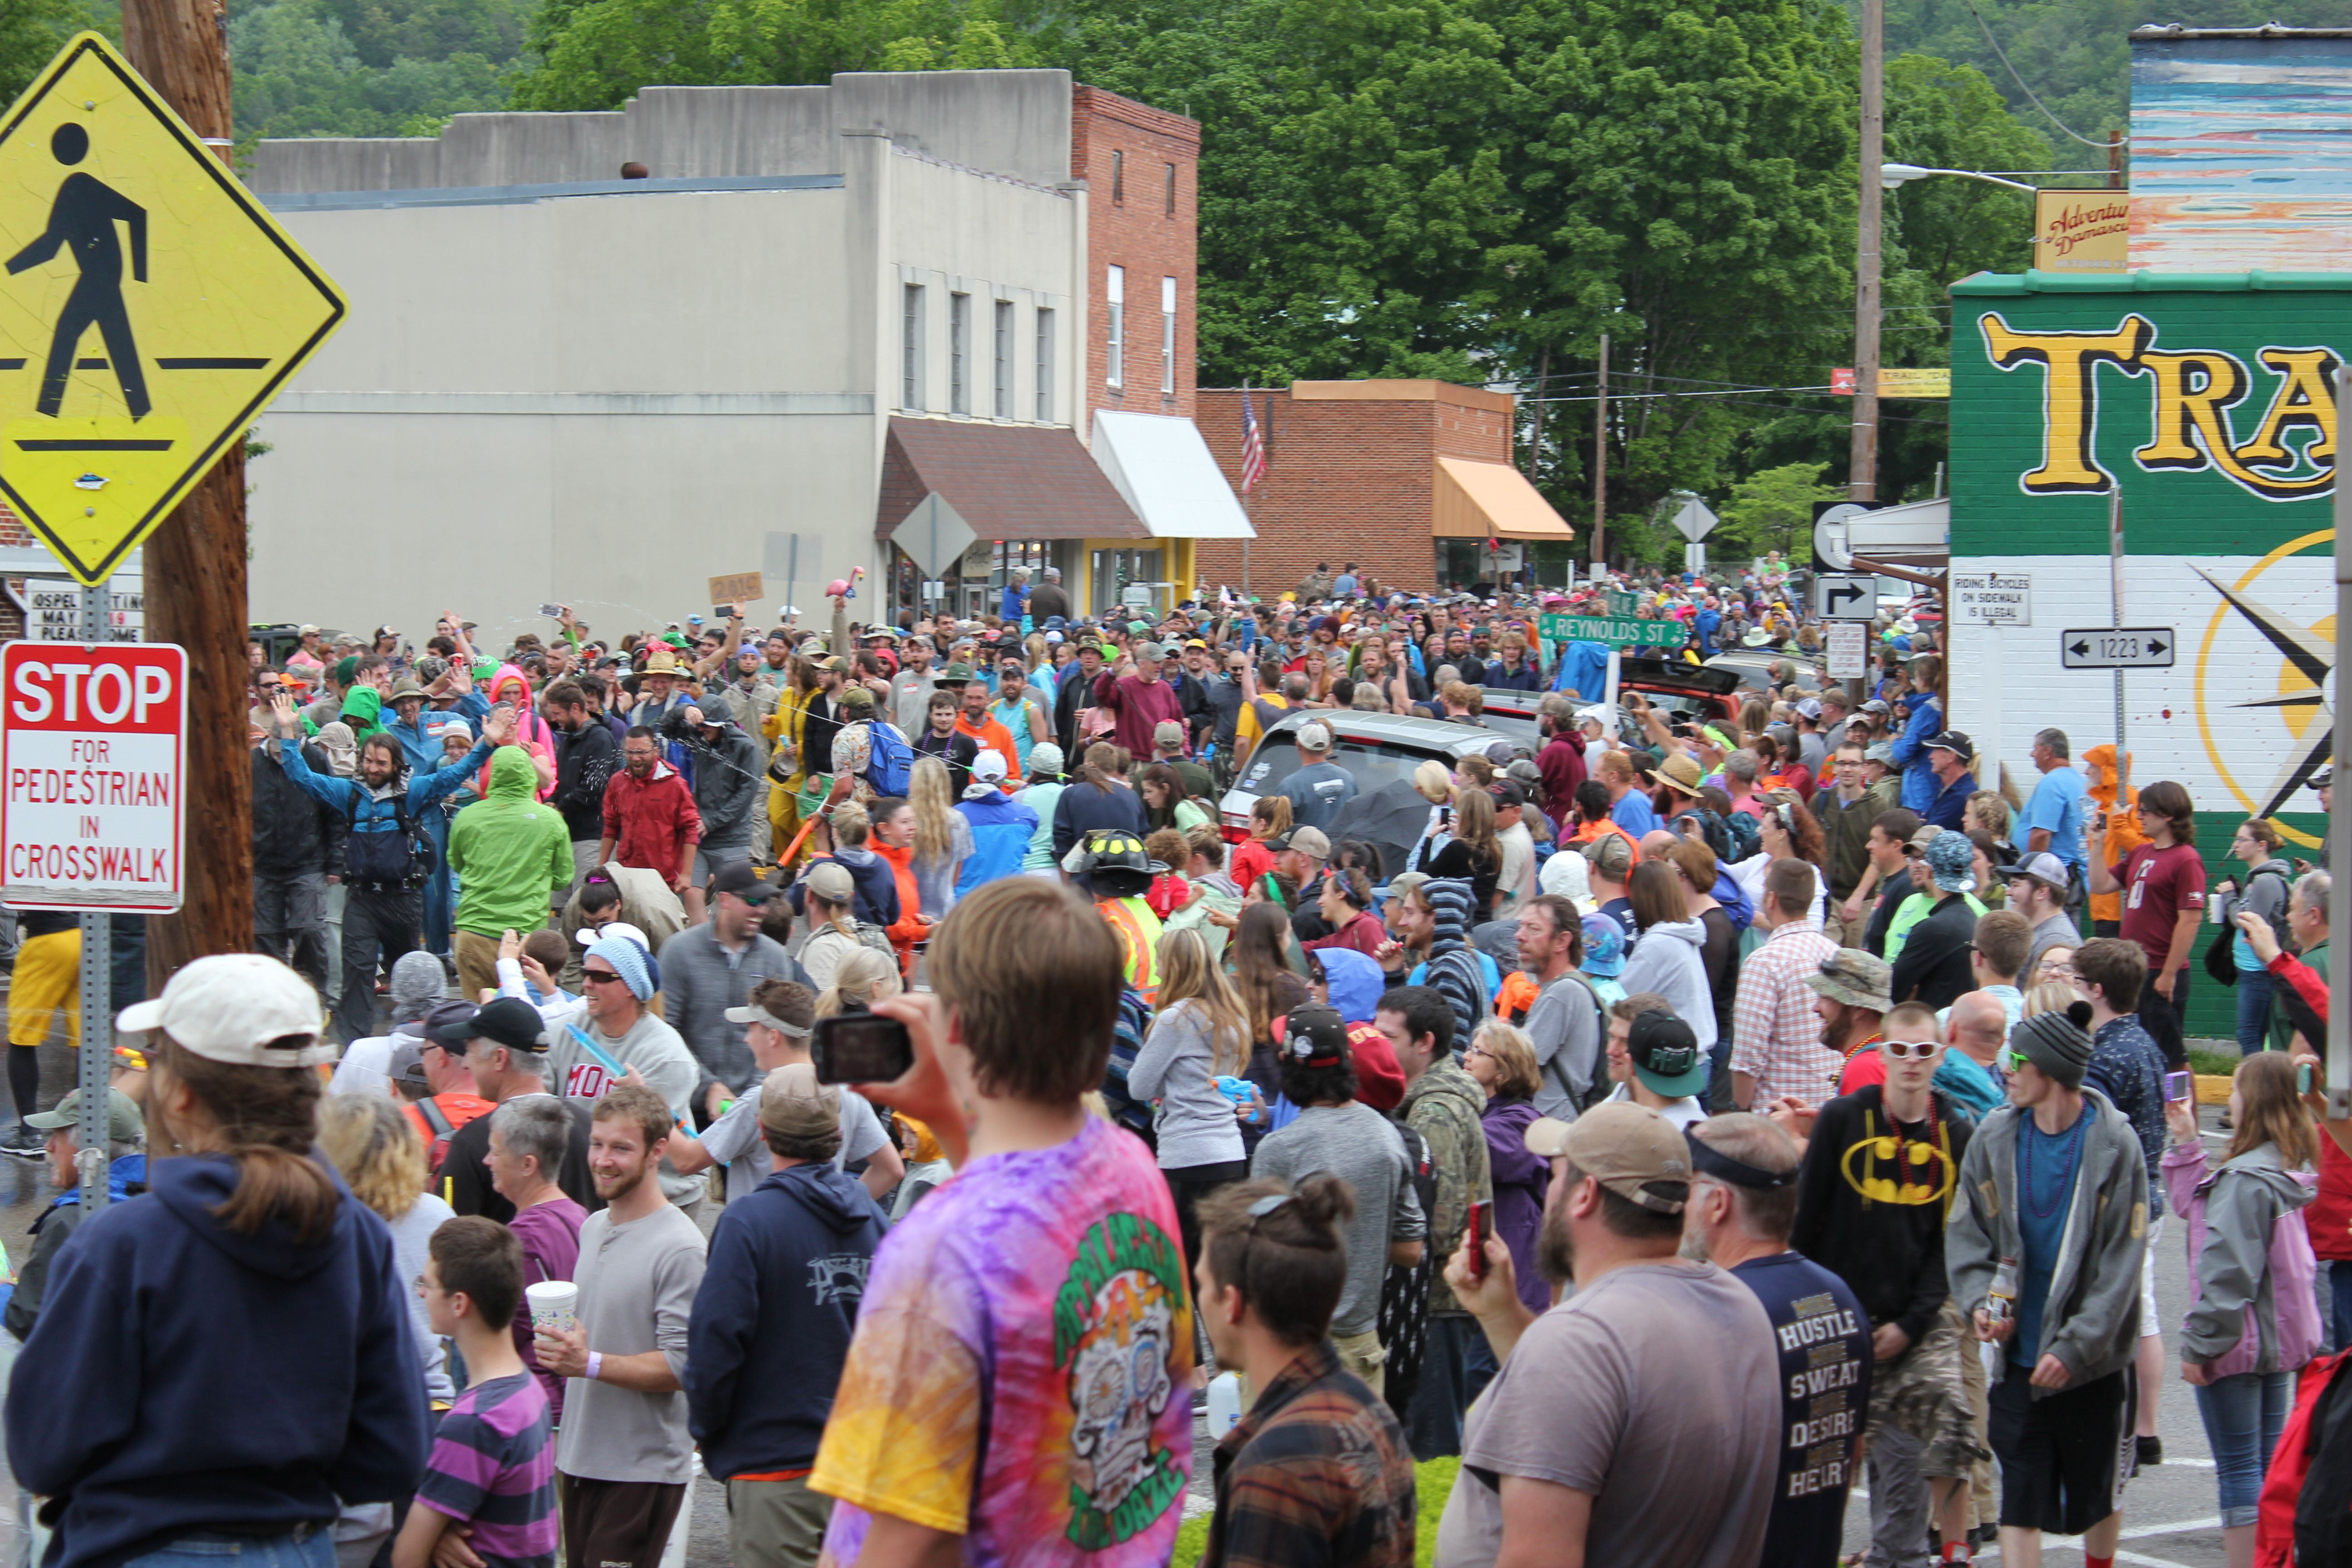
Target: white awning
(1162,467)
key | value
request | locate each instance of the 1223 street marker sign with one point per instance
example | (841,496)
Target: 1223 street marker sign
(94,742)
(150,309)
(2116,647)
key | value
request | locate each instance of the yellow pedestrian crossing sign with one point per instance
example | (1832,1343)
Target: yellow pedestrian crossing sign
(150,308)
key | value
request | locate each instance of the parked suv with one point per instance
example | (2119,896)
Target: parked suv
(1376,749)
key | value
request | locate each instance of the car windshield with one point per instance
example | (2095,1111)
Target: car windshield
(1369,765)
(1520,727)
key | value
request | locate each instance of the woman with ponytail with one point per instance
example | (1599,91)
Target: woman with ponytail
(1318,1471)
(226,1358)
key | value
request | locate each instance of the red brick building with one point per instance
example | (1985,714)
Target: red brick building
(1409,480)
(1142,166)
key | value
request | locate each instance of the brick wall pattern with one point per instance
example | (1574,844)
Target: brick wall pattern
(1351,478)
(1128,224)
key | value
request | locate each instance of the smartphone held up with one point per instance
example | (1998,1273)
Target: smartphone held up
(860,1047)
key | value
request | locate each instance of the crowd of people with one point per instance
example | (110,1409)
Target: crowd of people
(1698,1120)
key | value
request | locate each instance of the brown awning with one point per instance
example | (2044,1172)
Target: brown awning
(1006,481)
(1490,500)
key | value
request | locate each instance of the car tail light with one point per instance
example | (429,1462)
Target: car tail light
(1235,829)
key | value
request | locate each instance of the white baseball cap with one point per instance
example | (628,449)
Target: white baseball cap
(989,766)
(588,937)
(240,1009)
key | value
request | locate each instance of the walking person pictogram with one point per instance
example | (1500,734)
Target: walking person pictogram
(83,216)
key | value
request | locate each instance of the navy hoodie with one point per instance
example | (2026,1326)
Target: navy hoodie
(773,1320)
(184,1378)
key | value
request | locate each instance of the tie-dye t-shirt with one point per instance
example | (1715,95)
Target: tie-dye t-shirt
(1020,1375)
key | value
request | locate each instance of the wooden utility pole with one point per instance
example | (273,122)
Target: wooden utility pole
(196,580)
(1601,466)
(1862,478)
(1543,396)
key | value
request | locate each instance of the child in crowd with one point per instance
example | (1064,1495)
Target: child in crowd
(491,1474)
(1170,891)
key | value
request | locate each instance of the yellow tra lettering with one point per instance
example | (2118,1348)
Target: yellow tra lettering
(2069,394)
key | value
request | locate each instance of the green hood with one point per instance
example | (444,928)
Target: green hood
(509,850)
(362,706)
(512,776)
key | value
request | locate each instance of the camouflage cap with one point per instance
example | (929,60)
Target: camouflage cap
(1855,978)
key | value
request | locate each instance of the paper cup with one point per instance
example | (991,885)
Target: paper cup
(553,1306)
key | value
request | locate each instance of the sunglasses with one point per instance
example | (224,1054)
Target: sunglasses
(600,977)
(1912,1050)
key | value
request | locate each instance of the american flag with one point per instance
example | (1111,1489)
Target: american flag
(1253,446)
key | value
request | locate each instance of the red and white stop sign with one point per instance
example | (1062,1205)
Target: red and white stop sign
(94,742)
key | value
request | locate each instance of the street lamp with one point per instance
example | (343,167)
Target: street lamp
(1878,177)
(1891,175)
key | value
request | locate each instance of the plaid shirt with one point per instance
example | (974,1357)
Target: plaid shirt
(1776,1034)
(1317,1472)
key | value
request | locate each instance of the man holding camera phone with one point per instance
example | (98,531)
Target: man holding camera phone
(1034,1310)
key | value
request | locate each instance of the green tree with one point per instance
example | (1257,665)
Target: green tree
(593,54)
(31,32)
(1685,169)
(296,72)
(2075,54)
(1772,509)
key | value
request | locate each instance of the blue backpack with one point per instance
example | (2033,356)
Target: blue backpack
(889,760)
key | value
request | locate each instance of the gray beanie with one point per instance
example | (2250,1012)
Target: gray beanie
(2057,1043)
(418,981)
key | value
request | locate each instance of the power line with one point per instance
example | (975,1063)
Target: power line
(2027,90)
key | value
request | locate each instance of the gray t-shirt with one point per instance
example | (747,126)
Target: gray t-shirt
(651,1046)
(1565,1024)
(1654,1388)
(1363,1148)
(636,1290)
(1195,1119)
(1317,792)
(735,1142)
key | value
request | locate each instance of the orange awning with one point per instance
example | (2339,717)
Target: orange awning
(1490,500)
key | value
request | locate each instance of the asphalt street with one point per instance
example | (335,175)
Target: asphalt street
(2170,1518)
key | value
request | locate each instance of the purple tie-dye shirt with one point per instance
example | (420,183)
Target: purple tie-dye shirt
(1022,1372)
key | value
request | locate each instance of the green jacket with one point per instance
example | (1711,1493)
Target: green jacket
(510,851)
(1446,1107)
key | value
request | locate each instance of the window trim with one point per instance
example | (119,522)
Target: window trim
(1045,334)
(1115,336)
(913,394)
(959,353)
(1167,337)
(1001,404)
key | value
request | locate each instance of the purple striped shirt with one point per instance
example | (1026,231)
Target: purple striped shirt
(493,1466)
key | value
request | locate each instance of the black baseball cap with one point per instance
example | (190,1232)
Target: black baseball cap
(737,876)
(1665,1053)
(511,1022)
(1954,742)
(1315,1035)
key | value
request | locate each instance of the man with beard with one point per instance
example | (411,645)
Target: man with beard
(1561,761)
(1871,1201)
(1743,1204)
(624,1456)
(384,905)
(1638,1420)
(650,818)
